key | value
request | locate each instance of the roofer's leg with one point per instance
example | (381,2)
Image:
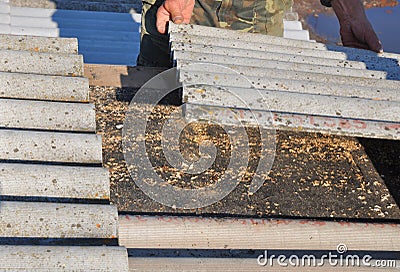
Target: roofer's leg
(259,16)
(205,12)
(269,19)
(256,16)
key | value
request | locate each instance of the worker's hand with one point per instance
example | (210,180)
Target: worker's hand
(178,11)
(355,29)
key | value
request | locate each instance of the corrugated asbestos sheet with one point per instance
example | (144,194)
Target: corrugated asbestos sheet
(108,32)
(285,83)
(104,37)
(54,194)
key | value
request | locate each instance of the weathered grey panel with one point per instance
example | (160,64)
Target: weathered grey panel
(5,28)
(39,44)
(290,66)
(356,53)
(98,5)
(222,34)
(200,35)
(41,63)
(244,44)
(4,7)
(307,104)
(96,34)
(241,48)
(45,115)
(113,6)
(247,40)
(50,146)
(54,181)
(97,27)
(42,87)
(76,23)
(248,71)
(300,86)
(294,122)
(5,18)
(210,49)
(66,258)
(57,220)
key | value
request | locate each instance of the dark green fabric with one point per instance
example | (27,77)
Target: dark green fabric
(255,16)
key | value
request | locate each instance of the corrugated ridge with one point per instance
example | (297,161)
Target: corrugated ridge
(53,189)
(97,32)
(301,82)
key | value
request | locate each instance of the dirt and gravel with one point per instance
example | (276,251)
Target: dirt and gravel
(313,175)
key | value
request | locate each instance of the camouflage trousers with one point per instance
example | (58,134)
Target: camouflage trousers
(255,16)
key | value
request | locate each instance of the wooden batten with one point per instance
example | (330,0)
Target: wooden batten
(232,233)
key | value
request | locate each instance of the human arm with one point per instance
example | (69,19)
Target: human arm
(355,28)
